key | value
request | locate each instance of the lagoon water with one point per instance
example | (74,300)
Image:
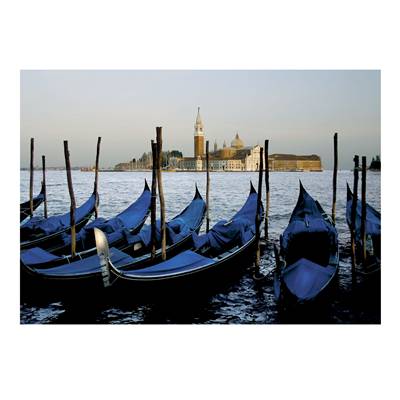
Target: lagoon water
(239,301)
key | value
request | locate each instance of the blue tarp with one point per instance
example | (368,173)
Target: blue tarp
(115,228)
(238,230)
(86,266)
(373,220)
(305,279)
(181,263)
(177,229)
(188,220)
(307,218)
(222,237)
(36,255)
(56,223)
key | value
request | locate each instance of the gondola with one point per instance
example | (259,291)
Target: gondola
(309,255)
(86,271)
(217,251)
(44,232)
(128,222)
(24,208)
(373,235)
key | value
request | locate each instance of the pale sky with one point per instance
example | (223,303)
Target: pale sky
(297,110)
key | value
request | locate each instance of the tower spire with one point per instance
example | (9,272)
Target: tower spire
(198,126)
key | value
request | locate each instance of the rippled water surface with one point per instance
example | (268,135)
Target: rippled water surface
(239,299)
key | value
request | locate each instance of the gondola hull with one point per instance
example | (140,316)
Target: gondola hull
(214,275)
(88,272)
(25,207)
(373,236)
(219,251)
(53,237)
(130,220)
(309,249)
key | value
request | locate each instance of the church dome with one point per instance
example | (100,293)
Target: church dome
(237,143)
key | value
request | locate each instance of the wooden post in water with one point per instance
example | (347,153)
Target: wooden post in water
(72,196)
(266,143)
(31,180)
(153,199)
(161,193)
(207,187)
(44,185)
(96,176)
(335,168)
(353,213)
(363,208)
(258,217)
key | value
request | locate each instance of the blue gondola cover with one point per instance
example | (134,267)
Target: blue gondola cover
(178,228)
(373,221)
(56,223)
(240,229)
(115,228)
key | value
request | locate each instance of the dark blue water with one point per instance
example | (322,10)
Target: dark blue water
(240,301)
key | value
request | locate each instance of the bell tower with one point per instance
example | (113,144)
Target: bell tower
(198,136)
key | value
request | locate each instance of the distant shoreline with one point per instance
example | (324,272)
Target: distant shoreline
(181,171)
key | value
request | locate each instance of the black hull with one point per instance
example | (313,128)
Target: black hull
(32,282)
(223,272)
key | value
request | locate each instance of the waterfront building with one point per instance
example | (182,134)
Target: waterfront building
(238,157)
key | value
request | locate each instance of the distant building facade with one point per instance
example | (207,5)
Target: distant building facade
(291,162)
(239,157)
(236,157)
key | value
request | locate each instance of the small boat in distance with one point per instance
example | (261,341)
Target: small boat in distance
(24,208)
(309,251)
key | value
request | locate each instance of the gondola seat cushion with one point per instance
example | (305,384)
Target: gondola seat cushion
(305,279)
(88,265)
(36,255)
(224,235)
(183,262)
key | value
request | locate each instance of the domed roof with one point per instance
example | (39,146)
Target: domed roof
(237,143)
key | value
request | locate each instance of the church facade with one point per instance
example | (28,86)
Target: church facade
(238,157)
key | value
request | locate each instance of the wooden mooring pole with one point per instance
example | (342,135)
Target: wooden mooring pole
(266,143)
(258,217)
(44,185)
(72,197)
(353,213)
(31,180)
(207,187)
(96,177)
(363,208)
(161,193)
(153,199)
(335,169)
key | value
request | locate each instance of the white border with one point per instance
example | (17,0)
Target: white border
(198,362)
